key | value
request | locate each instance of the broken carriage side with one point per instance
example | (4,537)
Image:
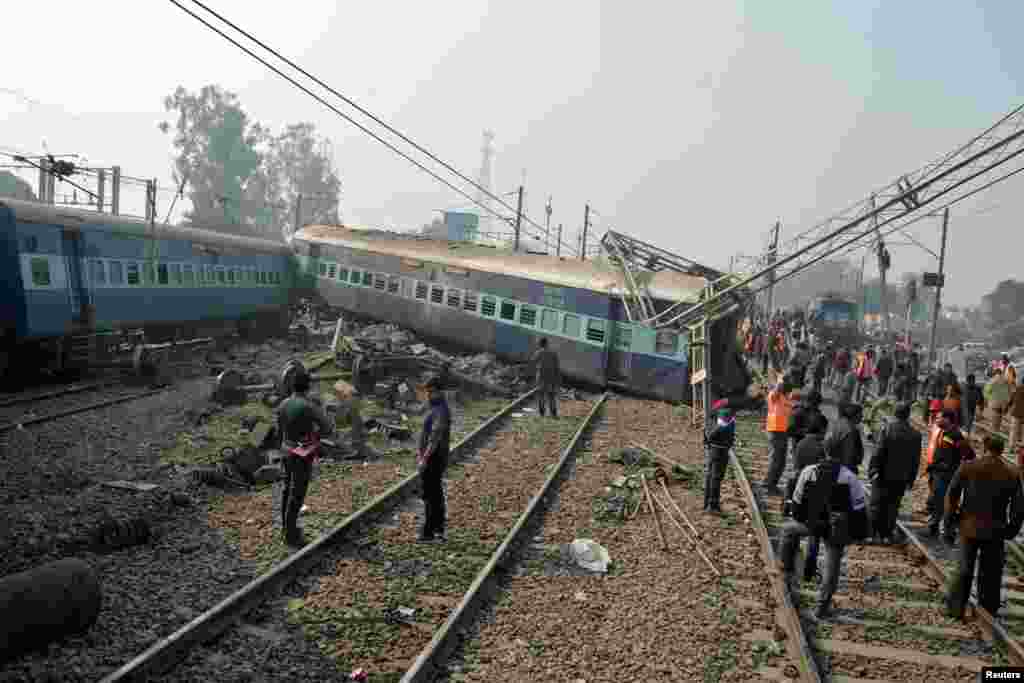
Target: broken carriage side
(609,319)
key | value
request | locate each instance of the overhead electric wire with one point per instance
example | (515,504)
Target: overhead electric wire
(348,118)
(366,113)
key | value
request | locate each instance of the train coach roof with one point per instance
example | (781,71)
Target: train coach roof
(567,272)
(47,214)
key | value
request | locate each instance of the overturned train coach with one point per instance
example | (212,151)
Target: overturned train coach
(503,302)
(75,281)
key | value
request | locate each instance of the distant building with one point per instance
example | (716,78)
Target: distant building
(457,226)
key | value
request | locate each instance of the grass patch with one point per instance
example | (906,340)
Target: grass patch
(203,446)
(720,663)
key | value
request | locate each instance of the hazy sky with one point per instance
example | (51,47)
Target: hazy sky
(691,125)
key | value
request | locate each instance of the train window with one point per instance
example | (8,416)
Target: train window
(132,273)
(454,298)
(421,290)
(367,278)
(176,273)
(162,276)
(665,341)
(210,277)
(355,277)
(437,294)
(332,271)
(595,331)
(408,286)
(221,276)
(393,284)
(553,297)
(549,320)
(99,272)
(508,310)
(380,282)
(323,270)
(231,276)
(31,243)
(40,272)
(148,273)
(238,276)
(469,302)
(343,275)
(488,306)
(528,315)
(187,273)
(571,325)
(623,337)
(116,273)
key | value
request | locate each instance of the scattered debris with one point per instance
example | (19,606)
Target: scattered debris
(131,485)
(589,555)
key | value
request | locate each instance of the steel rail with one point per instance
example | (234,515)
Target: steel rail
(163,655)
(81,409)
(53,394)
(796,642)
(432,657)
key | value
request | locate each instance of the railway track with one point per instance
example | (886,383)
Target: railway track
(55,405)
(364,591)
(888,621)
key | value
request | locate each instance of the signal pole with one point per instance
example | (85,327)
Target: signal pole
(298,213)
(519,218)
(586,225)
(547,225)
(938,287)
(773,250)
(558,244)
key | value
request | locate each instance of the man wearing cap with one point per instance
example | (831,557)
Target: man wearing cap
(718,441)
(301,423)
(432,462)
(892,470)
(986,495)
(946,450)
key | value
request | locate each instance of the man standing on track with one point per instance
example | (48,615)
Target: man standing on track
(718,442)
(780,407)
(844,437)
(829,502)
(946,450)
(893,470)
(884,371)
(435,442)
(301,423)
(810,451)
(991,512)
(549,377)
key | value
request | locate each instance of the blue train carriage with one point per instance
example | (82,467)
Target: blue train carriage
(502,302)
(72,274)
(834,317)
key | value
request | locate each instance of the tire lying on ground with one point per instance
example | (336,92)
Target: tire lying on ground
(45,604)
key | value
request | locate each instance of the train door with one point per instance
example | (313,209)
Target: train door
(78,292)
(619,355)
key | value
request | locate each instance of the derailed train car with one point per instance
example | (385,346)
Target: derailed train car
(73,279)
(503,302)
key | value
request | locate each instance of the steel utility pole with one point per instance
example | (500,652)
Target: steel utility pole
(519,218)
(773,249)
(547,225)
(298,213)
(938,288)
(583,240)
(558,244)
(883,266)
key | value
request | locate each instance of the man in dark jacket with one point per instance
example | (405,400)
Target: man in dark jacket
(821,365)
(884,370)
(300,422)
(973,401)
(950,449)
(810,451)
(844,437)
(823,493)
(802,417)
(991,512)
(892,470)
(549,377)
(435,442)
(718,441)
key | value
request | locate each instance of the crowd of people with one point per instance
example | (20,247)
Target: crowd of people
(978,495)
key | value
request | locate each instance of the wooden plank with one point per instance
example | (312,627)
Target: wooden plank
(847,647)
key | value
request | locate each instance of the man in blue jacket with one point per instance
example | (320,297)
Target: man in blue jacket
(718,440)
(435,442)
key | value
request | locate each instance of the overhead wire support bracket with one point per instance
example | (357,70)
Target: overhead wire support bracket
(954,173)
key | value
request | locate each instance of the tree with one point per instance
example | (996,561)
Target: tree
(300,162)
(14,187)
(239,174)
(219,157)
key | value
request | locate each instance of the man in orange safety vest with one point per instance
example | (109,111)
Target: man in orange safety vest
(780,409)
